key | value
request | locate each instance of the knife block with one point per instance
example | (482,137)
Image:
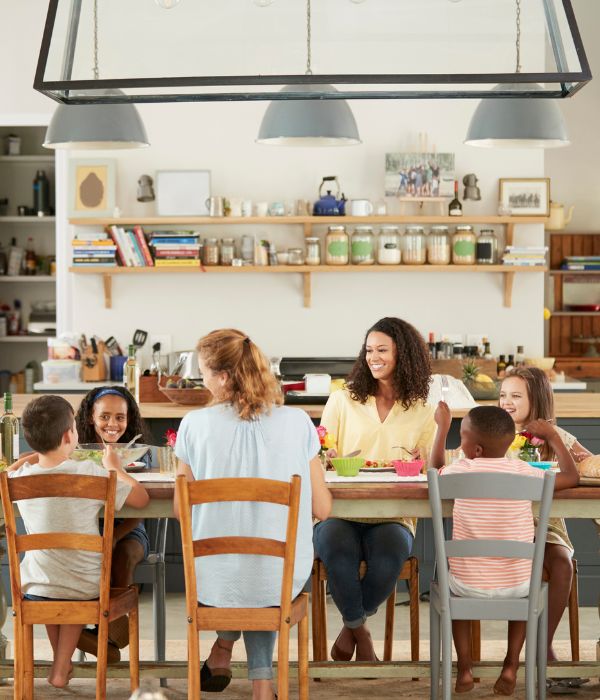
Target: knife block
(93,366)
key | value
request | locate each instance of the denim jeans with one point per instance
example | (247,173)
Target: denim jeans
(342,545)
(259,652)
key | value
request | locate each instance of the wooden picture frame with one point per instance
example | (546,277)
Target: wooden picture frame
(182,192)
(525,196)
(92,187)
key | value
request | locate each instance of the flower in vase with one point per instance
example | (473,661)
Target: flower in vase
(171,437)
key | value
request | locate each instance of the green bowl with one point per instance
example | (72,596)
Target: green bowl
(347,466)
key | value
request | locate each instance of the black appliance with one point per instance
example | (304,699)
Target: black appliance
(294,369)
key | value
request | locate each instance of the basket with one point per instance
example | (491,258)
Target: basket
(483,391)
(188,397)
(413,468)
(347,466)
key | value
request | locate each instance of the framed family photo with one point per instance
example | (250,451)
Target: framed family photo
(93,187)
(527,196)
(419,175)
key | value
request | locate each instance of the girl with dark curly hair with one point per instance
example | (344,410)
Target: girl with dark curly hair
(110,414)
(383,406)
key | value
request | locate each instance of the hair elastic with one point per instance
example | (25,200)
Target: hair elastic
(247,340)
(108,392)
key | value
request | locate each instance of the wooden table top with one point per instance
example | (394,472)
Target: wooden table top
(567,405)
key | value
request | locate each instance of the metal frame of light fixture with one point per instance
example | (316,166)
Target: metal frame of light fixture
(70,91)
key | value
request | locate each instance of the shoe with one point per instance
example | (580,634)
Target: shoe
(214,680)
(339,654)
(118,632)
(88,643)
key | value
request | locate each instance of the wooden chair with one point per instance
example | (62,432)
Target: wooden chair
(112,603)
(573,608)
(410,573)
(276,619)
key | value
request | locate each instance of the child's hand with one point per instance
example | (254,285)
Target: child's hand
(542,429)
(443,416)
(110,459)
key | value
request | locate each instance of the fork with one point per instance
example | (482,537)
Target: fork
(445,387)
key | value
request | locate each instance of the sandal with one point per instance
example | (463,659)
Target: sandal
(214,680)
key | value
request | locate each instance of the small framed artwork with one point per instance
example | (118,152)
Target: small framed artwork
(528,196)
(182,192)
(419,175)
(93,187)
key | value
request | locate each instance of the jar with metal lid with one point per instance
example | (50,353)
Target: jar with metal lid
(439,247)
(414,246)
(463,245)
(210,252)
(486,249)
(337,246)
(227,251)
(388,246)
(313,251)
(363,246)
(295,256)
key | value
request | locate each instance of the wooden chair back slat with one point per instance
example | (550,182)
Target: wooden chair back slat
(24,488)
(239,545)
(244,489)
(58,540)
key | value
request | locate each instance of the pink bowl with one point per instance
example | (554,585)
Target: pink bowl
(408,468)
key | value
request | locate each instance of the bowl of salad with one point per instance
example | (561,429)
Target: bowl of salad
(95,450)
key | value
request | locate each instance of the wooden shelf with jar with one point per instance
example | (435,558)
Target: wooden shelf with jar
(308,222)
(574,328)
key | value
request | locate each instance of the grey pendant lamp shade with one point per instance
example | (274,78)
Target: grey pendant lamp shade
(106,126)
(308,122)
(517,123)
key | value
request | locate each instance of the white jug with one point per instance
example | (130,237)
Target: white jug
(558,221)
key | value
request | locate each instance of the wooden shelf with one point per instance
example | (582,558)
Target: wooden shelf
(27,278)
(27,159)
(27,219)
(306,271)
(25,338)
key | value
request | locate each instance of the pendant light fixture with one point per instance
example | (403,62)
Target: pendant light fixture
(97,126)
(308,122)
(517,123)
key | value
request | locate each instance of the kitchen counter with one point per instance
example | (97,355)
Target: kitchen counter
(567,405)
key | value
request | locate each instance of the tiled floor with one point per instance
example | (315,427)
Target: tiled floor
(492,648)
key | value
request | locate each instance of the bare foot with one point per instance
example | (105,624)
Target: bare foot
(505,685)
(343,647)
(551,655)
(364,644)
(220,654)
(464,679)
(58,679)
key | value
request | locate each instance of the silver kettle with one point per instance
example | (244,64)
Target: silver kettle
(185,364)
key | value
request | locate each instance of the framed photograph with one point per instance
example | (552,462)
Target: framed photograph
(419,175)
(93,187)
(182,192)
(528,196)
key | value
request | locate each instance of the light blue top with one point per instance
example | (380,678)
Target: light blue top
(217,443)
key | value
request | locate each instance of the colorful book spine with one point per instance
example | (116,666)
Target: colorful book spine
(114,234)
(143,245)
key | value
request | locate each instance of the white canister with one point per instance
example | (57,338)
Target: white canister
(317,383)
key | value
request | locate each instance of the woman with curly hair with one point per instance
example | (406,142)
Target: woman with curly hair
(382,406)
(110,414)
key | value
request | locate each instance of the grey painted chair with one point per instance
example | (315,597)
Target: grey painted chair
(445,606)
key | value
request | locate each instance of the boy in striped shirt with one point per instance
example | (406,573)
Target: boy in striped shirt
(486,433)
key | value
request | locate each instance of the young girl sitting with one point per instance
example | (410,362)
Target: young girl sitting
(110,415)
(526,395)
(486,433)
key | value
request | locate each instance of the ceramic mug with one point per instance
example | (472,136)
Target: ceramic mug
(215,206)
(246,207)
(235,207)
(262,208)
(360,207)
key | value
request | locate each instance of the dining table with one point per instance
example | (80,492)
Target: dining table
(351,499)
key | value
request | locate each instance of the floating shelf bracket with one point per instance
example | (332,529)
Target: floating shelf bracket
(307,284)
(107,280)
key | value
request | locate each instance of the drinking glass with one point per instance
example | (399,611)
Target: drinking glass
(167,461)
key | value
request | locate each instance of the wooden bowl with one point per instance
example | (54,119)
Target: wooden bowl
(188,397)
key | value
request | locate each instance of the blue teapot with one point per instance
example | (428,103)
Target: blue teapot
(328,205)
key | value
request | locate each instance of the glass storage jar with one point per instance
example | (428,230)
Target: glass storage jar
(363,246)
(486,248)
(337,246)
(463,245)
(227,251)
(439,248)
(388,246)
(414,246)
(313,251)
(210,252)
(295,256)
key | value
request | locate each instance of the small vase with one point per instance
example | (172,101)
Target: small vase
(530,454)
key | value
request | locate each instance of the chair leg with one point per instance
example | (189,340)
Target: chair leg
(303,658)
(323,620)
(193,661)
(283,662)
(446,656)
(18,656)
(434,652)
(102,658)
(414,609)
(315,590)
(530,659)
(134,648)
(476,643)
(542,652)
(27,647)
(160,615)
(388,638)
(574,615)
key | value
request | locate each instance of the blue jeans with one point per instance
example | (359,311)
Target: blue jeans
(342,545)
(259,652)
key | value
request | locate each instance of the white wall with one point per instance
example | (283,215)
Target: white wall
(220,137)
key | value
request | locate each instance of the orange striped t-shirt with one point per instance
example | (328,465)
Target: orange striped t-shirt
(488,519)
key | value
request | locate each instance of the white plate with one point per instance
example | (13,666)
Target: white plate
(297,392)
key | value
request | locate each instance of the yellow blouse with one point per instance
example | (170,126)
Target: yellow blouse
(356,426)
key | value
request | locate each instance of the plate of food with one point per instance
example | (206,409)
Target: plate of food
(378,467)
(136,467)
(95,450)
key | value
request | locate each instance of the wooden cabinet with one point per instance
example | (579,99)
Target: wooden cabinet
(578,368)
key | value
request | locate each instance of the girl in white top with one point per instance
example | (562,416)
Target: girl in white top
(247,433)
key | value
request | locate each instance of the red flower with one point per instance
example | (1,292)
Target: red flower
(171,437)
